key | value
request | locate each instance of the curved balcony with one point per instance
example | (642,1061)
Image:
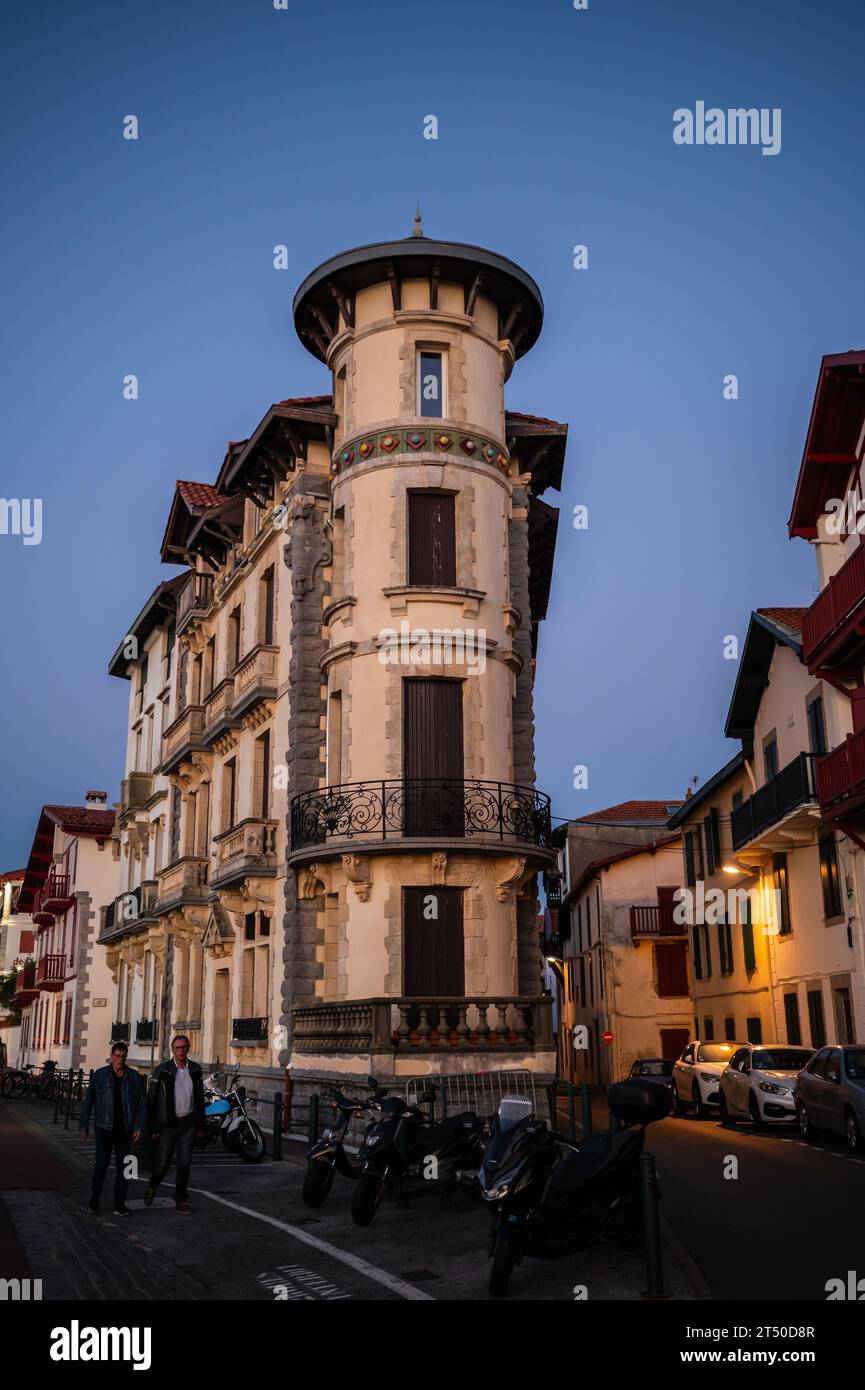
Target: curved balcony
(481,813)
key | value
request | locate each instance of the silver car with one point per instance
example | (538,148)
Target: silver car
(830,1095)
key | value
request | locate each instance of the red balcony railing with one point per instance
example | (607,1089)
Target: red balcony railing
(841,597)
(841,773)
(50,972)
(56,896)
(26,988)
(656,920)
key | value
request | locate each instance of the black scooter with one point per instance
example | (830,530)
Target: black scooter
(406,1154)
(548,1199)
(327,1155)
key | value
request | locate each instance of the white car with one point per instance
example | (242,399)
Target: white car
(760,1083)
(697,1075)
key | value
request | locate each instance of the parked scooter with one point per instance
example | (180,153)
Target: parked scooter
(547,1198)
(226,1118)
(406,1154)
(327,1155)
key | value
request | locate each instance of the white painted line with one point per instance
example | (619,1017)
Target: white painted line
(381,1276)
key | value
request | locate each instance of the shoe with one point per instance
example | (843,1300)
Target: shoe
(122,1210)
(93,1204)
(149,1196)
(183,1208)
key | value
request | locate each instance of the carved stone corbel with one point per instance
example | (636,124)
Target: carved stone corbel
(439,868)
(357,870)
(512,874)
(312,879)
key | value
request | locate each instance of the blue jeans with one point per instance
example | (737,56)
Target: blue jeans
(180,1137)
(107,1142)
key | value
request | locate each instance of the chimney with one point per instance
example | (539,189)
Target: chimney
(95,798)
(687,793)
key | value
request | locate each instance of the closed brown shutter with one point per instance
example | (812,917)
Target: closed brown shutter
(434,965)
(672,969)
(431,538)
(433,757)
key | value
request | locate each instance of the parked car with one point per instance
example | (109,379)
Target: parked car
(657,1069)
(830,1095)
(697,1074)
(759,1083)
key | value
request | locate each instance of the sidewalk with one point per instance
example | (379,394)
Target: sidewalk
(250,1219)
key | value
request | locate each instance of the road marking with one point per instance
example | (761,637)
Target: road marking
(369,1271)
(294,1282)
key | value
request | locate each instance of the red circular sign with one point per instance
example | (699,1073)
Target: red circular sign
(607,1037)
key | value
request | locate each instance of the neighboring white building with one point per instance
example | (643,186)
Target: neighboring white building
(72,869)
(16,949)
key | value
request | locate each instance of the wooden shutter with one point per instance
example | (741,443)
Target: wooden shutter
(748,940)
(433,757)
(671,960)
(433,946)
(431,538)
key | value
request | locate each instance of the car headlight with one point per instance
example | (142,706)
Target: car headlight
(774,1090)
(708,1076)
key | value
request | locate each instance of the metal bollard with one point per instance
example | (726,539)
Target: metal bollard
(651,1228)
(313,1120)
(58,1098)
(586,1103)
(277,1126)
(572,1113)
(81,1082)
(68,1101)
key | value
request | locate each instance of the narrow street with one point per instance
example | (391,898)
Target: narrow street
(250,1232)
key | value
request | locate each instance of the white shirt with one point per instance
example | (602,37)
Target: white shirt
(182,1091)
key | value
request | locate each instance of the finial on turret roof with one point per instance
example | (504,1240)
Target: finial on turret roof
(418,229)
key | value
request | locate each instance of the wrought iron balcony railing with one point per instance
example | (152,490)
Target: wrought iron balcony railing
(249,1030)
(146,1030)
(793,786)
(422,808)
(120,1032)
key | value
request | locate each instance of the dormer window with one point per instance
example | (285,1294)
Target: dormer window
(430,380)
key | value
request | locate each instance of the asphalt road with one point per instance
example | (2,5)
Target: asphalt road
(793,1218)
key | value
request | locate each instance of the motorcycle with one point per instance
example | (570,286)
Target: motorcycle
(327,1155)
(548,1198)
(226,1118)
(406,1154)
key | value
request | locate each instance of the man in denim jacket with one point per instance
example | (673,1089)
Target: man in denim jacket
(116,1100)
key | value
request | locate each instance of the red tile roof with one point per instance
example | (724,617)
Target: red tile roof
(534,419)
(199,494)
(307,400)
(13,876)
(81,820)
(786,617)
(637,810)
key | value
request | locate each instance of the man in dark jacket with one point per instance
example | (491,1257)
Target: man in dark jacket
(175,1111)
(117,1103)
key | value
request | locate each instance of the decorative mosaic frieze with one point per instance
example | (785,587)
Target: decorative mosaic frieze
(447,443)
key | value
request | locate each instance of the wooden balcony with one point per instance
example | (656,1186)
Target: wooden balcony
(183,737)
(833,629)
(655,920)
(194,599)
(26,988)
(184,882)
(255,679)
(56,896)
(50,972)
(406,1026)
(841,778)
(247,848)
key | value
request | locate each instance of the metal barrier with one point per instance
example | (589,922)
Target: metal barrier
(480,1091)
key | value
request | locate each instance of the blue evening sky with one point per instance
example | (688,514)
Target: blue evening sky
(304,127)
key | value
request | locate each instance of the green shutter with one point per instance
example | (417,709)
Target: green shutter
(748,939)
